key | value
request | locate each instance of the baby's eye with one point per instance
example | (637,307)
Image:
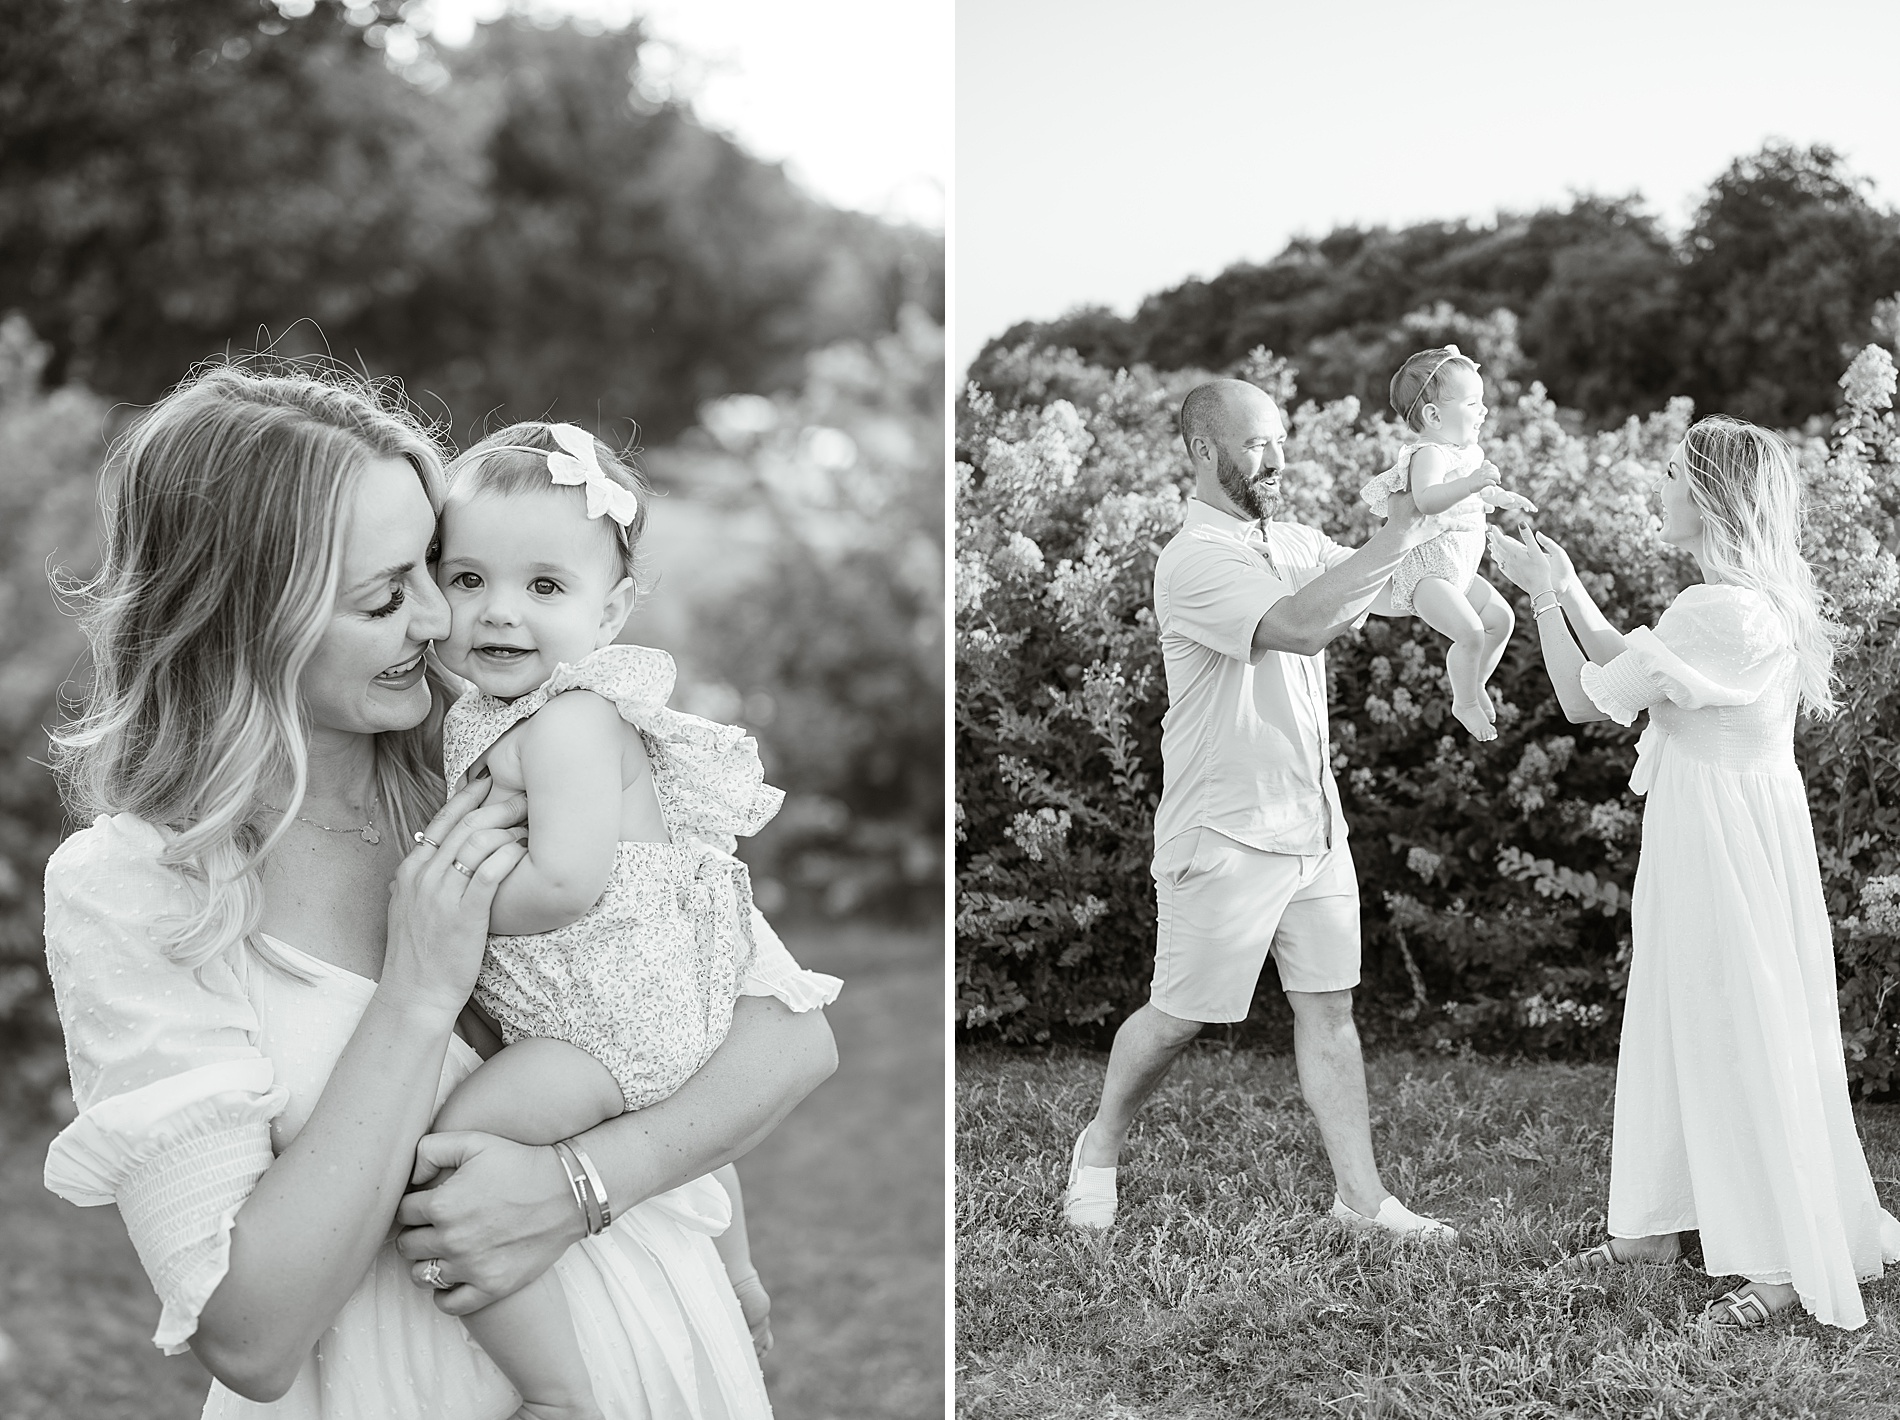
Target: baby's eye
(544,586)
(467,581)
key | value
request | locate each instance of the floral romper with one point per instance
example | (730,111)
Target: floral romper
(1455,553)
(645,981)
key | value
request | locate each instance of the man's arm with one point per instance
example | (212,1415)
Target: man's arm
(1304,622)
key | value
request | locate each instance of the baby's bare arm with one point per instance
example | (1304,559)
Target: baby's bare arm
(570,764)
(1433,492)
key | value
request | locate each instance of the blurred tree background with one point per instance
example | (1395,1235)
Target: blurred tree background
(1752,310)
(523,227)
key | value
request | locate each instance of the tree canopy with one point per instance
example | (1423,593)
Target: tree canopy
(1750,311)
(522,233)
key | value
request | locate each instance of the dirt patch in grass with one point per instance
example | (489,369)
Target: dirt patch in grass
(1224,1290)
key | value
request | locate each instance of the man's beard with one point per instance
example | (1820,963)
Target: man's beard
(1253,500)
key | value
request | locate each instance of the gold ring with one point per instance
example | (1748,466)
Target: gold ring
(461,867)
(422,837)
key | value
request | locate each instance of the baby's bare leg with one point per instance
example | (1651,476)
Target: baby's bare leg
(1499,621)
(535,1092)
(1443,608)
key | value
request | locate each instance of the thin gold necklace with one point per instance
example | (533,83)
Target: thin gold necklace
(369,833)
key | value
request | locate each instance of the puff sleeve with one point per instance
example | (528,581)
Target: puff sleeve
(175,1097)
(774,972)
(1715,645)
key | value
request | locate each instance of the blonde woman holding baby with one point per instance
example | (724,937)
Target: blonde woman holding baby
(262,942)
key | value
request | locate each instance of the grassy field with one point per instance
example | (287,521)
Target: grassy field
(845,1205)
(1224,1290)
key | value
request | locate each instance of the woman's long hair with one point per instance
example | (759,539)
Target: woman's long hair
(1747,486)
(223,514)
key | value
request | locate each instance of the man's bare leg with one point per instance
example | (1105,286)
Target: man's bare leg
(1333,1081)
(1146,1046)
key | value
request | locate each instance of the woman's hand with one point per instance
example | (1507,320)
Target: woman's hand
(499,1215)
(439,900)
(1563,575)
(1526,563)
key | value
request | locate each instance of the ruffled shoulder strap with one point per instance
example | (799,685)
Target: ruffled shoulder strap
(1398,478)
(709,777)
(639,680)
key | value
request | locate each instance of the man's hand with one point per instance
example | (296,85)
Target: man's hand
(1403,516)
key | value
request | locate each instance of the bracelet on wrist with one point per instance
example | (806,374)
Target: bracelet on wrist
(595,1182)
(577,1180)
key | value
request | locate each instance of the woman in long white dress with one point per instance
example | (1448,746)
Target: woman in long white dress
(1732,1113)
(260,971)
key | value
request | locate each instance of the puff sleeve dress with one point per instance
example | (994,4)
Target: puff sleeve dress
(1732,1112)
(190,1082)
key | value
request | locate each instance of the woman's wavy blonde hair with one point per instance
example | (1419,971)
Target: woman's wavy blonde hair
(224,509)
(1746,483)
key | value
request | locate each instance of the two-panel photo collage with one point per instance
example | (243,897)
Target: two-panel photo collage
(998,709)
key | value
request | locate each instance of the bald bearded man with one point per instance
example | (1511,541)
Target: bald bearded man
(1250,843)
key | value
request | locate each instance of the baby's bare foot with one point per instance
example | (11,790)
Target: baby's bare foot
(1489,706)
(1473,716)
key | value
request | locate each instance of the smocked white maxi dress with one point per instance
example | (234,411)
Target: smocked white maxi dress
(1732,1114)
(188,1083)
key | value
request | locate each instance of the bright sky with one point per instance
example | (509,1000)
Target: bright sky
(1108,149)
(852,95)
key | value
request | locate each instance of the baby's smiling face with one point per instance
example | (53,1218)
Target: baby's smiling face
(531,583)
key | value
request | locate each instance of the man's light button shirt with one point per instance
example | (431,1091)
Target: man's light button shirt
(1244,745)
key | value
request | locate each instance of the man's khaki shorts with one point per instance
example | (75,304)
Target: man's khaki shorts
(1223,906)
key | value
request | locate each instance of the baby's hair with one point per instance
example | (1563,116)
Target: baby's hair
(515,460)
(1421,380)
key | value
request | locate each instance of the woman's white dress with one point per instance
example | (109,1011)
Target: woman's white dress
(1732,1113)
(188,1083)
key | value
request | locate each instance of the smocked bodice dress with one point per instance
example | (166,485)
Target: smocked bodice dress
(1732,1112)
(645,980)
(190,1082)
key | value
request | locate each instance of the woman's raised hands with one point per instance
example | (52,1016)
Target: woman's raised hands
(439,899)
(1531,563)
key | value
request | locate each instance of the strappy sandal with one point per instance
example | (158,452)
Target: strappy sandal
(1736,1311)
(1604,1255)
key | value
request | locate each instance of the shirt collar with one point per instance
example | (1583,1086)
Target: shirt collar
(1207,515)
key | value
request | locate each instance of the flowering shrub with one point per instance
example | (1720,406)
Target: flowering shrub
(832,649)
(1495,878)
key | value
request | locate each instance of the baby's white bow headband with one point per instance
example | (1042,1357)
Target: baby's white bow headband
(576,462)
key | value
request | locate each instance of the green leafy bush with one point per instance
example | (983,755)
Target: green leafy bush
(1495,878)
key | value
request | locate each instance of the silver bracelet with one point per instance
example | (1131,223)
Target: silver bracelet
(583,1189)
(1547,606)
(596,1182)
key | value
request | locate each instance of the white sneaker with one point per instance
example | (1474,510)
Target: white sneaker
(1089,1201)
(1395,1218)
